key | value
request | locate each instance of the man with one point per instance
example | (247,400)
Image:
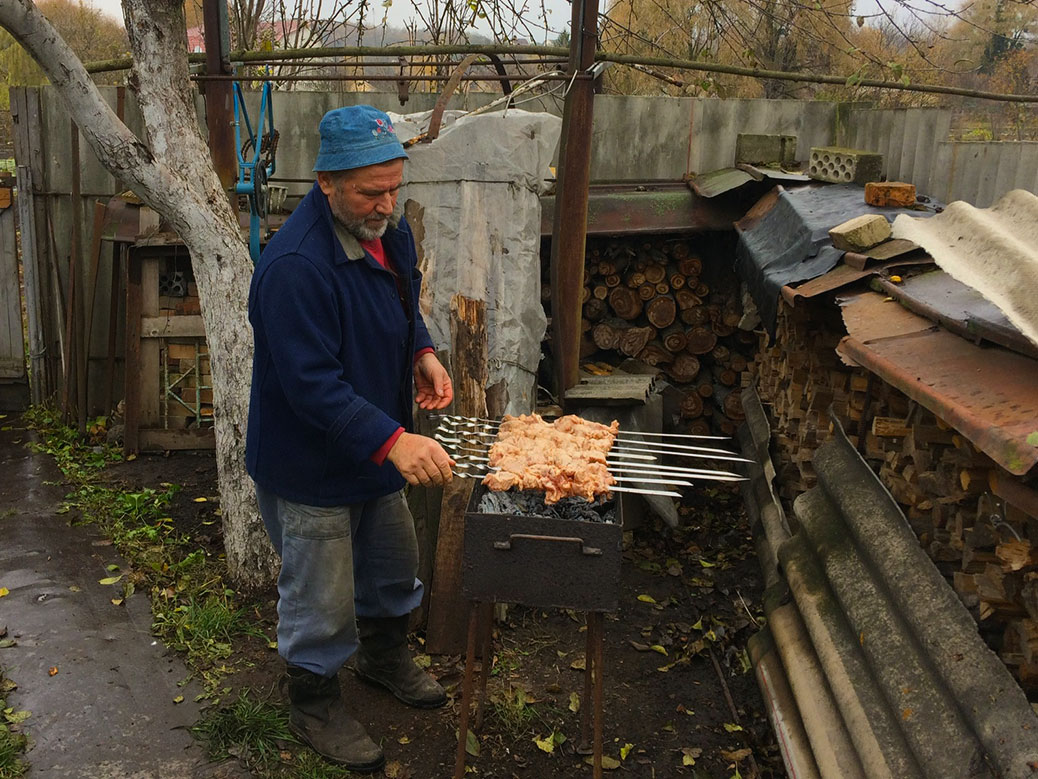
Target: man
(338,339)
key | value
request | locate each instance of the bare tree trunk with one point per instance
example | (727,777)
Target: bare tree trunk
(172,172)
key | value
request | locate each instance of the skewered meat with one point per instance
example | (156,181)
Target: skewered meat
(561,459)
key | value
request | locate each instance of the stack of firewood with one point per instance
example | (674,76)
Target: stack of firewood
(655,300)
(978,523)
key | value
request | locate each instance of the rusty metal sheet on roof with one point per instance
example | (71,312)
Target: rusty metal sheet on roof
(986,392)
(960,308)
(841,276)
(870,317)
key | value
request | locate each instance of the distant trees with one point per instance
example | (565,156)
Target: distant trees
(988,44)
(88,32)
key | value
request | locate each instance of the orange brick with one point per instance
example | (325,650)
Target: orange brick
(896,194)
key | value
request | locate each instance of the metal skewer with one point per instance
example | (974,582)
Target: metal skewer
(638,452)
(448,440)
(635,468)
(454,419)
(613,488)
(483,462)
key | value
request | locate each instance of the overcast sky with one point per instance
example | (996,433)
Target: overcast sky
(399,12)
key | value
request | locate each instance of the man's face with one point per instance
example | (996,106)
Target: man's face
(363,199)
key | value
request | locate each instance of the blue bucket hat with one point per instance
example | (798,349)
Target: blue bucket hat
(355,136)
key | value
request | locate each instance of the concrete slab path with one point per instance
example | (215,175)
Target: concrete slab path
(108,711)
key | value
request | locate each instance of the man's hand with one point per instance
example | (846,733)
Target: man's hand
(432,383)
(421,460)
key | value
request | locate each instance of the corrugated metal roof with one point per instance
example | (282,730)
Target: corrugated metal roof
(994,250)
(987,393)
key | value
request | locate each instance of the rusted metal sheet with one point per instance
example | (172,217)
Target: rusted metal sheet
(653,208)
(958,307)
(986,393)
(841,276)
(870,317)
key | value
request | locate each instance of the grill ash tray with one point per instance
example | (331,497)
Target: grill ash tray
(511,556)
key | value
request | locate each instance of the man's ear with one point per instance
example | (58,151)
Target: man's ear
(326,182)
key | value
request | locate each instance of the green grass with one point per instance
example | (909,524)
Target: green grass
(12,743)
(250,729)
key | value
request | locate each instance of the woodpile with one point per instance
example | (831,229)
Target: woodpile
(655,300)
(978,523)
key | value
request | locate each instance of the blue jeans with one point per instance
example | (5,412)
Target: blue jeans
(339,563)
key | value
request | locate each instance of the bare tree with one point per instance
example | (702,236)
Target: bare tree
(170,169)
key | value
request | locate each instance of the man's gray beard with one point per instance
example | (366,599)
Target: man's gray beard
(360,229)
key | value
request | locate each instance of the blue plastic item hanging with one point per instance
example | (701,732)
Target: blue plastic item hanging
(254,173)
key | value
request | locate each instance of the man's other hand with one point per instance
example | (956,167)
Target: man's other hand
(421,460)
(432,383)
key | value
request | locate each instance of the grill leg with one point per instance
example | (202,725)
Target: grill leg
(584,747)
(466,691)
(486,659)
(598,619)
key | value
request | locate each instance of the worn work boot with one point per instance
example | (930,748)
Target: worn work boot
(384,659)
(318,717)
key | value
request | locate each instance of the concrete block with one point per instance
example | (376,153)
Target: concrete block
(844,166)
(860,233)
(765,149)
(893,194)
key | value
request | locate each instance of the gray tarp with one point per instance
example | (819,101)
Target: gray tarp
(472,198)
(790,242)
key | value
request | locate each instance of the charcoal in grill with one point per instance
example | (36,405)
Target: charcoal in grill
(530,503)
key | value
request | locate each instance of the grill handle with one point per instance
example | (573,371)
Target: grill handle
(506,546)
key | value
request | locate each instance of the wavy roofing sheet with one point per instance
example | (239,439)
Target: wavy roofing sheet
(994,250)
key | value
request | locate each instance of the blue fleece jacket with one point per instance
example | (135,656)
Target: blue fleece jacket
(332,368)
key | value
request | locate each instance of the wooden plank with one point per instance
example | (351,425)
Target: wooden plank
(132,364)
(445,633)
(12,350)
(157,439)
(149,376)
(183,326)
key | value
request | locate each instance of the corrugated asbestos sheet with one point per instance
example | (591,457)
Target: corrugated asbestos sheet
(986,392)
(994,250)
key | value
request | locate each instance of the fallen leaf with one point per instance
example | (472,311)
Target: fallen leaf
(545,744)
(608,763)
(112,567)
(52,671)
(16,717)
(660,649)
(707,563)
(689,755)
(110,579)
(117,601)
(7,642)
(906,713)
(471,744)
(698,625)
(74,588)
(646,598)
(578,665)
(130,458)
(403,740)
(625,750)
(422,661)
(736,756)
(4,591)
(272,645)
(731,727)
(201,500)
(179,699)
(574,702)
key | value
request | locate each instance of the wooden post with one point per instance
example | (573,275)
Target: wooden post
(445,633)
